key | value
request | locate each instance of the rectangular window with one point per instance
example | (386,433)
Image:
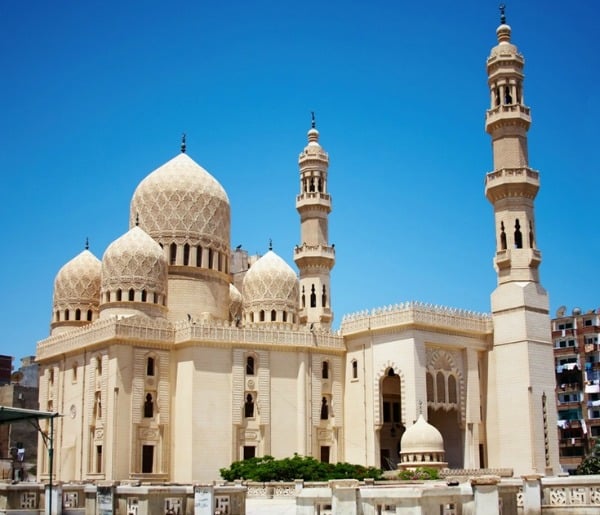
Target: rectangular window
(325,449)
(147,459)
(588,322)
(249,452)
(98,459)
(595,430)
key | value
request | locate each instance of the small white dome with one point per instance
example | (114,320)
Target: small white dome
(181,202)
(134,262)
(271,284)
(421,437)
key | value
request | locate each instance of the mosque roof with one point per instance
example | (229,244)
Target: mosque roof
(270,279)
(78,281)
(181,202)
(136,261)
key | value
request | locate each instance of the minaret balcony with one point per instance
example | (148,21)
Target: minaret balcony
(507,113)
(315,255)
(312,199)
(512,182)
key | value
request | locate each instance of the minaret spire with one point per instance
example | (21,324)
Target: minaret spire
(314,256)
(183,145)
(502,14)
(87,243)
(521,363)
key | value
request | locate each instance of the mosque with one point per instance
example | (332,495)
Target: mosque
(175,355)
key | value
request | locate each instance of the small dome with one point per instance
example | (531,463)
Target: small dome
(235,302)
(77,288)
(181,202)
(271,284)
(313,149)
(134,262)
(421,437)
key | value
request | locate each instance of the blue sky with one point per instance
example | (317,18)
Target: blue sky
(95,95)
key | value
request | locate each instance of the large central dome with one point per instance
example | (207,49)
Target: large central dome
(181,202)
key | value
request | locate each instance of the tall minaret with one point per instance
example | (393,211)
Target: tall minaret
(314,256)
(521,422)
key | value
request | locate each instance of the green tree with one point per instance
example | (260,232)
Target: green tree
(591,463)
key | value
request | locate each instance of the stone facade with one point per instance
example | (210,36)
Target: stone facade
(193,355)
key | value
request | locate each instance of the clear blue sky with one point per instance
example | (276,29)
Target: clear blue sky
(95,95)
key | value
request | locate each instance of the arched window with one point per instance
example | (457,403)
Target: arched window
(502,236)
(148,406)
(518,235)
(249,406)
(78,314)
(324,409)
(303,298)
(325,370)
(354,369)
(250,366)
(155,298)
(284,315)
(89,315)
(429,381)
(172,253)
(313,297)
(119,295)
(74,372)
(261,315)
(98,366)
(198,256)
(273,315)
(186,254)
(131,294)
(144,296)
(150,366)
(107,296)
(66,314)
(210,258)
(452,393)
(507,95)
(324,297)
(441,387)
(57,316)
(252,316)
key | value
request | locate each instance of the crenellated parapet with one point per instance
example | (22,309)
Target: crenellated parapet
(417,313)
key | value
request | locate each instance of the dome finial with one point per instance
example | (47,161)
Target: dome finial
(270,244)
(137,219)
(183,147)
(87,243)
(502,14)
(313,123)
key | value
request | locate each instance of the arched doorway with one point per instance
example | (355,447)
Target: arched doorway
(392,427)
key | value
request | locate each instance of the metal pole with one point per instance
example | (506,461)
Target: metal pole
(50,464)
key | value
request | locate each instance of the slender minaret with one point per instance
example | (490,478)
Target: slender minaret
(314,256)
(521,422)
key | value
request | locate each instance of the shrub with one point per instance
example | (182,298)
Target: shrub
(267,468)
(419,474)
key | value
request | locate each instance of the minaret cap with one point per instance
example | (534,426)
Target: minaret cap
(503,31)
(313,133)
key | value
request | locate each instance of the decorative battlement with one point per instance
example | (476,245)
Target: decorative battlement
(512,182)
(148,331)
(317,251)
(418,313)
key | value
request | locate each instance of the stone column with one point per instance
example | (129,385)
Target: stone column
(532,494)
(485,491)
(344,500)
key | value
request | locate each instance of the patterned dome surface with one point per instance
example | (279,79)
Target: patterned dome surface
(180,201)
(78,281)
(421,437)
(271,279)
(136,261)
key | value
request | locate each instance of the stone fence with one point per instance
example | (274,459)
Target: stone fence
(483,495)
